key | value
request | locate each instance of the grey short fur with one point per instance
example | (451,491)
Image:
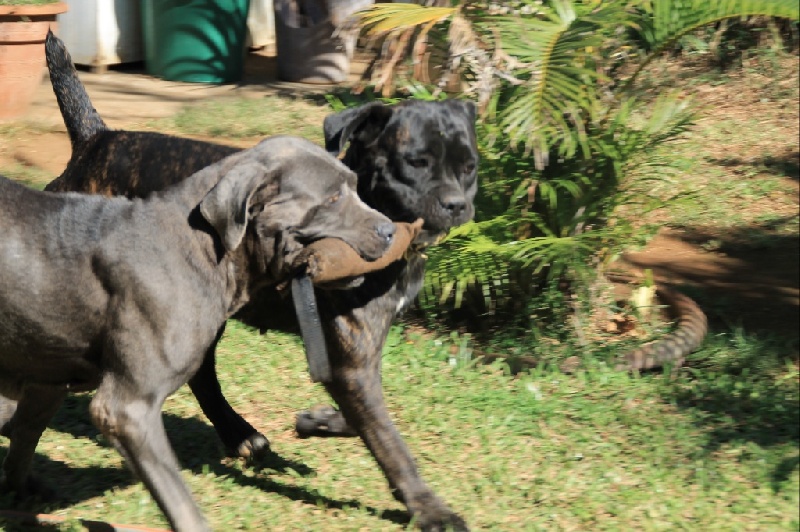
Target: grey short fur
(127,296)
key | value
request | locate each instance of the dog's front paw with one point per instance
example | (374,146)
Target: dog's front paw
(322,420)
(431,514)
(440,520)
(254,447)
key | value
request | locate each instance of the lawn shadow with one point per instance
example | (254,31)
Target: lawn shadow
(783,472)
(194,440)
(784,165)
(310,497)
(72,485)
(198,449)
(27,524)
(748,285)
(733,409)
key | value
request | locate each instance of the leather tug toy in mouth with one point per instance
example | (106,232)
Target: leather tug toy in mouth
(325,261)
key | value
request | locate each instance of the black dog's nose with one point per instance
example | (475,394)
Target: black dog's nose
(453,204)
(386,230)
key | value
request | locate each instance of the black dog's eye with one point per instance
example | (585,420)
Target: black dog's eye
(469,168)
(419,162)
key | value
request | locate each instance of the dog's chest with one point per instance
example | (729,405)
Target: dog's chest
(409,282)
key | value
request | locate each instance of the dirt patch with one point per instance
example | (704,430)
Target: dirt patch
(755,289)
(44,151)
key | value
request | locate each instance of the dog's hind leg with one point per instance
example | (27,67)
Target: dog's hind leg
(238,436)
(131,419)
(34,409)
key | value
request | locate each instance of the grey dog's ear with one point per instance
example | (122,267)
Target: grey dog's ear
(226,205)
(368,119)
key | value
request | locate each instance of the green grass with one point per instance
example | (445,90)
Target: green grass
(237,118)
(31,176)
(27,175)
(27,2)
(740,161)
(722,192)
(710,449)
(714,446)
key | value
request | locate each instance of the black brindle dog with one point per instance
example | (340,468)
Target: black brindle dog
(128,296)
(413,160)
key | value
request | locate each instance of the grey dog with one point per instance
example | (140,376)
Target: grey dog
(413,160)
(127,296)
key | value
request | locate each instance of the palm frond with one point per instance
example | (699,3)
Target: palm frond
(631,131)
(671,20)
(463,264)
(557,53)
(393,18)
(671,116)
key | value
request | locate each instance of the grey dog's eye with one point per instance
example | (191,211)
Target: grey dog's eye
(336,197)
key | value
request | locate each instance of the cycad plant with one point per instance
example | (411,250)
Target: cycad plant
(563,129)
(537,65)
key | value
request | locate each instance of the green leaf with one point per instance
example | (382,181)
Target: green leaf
(669,20)
(379,19)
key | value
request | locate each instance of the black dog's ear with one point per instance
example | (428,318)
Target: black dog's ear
(368,119)
(226,205)
(468,107)
(472,109)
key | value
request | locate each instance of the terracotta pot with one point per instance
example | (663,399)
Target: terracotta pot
(23,29)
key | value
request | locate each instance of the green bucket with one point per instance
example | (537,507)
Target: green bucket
(195,40)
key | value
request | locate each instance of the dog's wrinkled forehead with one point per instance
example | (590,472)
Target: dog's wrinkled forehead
(305,166)
(431,127)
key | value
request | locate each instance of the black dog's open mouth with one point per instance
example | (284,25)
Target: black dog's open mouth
(429,237)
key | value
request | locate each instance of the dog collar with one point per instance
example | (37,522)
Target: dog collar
(305,306)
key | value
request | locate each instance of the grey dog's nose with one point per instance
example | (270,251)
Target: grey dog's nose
(454,204)
(386,230)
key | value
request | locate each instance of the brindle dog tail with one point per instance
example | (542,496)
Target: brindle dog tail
(672,349)
(80,117)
